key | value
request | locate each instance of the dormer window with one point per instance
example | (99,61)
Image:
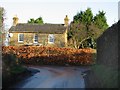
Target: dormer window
(20,37)
(51,38)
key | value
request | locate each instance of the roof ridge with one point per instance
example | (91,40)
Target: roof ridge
(38,24)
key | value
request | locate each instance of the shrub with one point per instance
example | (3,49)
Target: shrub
(10,69)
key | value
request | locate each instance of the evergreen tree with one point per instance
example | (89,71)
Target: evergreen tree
(31,20)
(86,28)
(100,20)
(38,20)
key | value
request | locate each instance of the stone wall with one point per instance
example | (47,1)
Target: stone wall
(107,47)
(105,73)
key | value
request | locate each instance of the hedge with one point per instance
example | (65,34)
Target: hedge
(50,55)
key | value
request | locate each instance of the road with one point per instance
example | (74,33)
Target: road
(55,77)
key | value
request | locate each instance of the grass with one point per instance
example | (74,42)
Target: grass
(17,70)
(108,76)
(103,76)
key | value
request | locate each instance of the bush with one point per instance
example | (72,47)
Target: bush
(10,69)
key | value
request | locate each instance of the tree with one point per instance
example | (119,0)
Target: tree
(76,34)
(78,17)
(81,34)
(38,20)
(31,20)
(85,17)
(84,29)
(1,23)
(100,20)
(1,16)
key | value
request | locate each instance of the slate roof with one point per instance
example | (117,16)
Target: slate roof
(36,28)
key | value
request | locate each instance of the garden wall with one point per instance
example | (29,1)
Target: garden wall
(107,47)
(106,72)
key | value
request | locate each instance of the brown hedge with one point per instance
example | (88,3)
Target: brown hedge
(50,55)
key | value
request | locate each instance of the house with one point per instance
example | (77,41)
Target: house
(36,34)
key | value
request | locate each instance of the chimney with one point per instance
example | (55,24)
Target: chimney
(66,21)
(15,20)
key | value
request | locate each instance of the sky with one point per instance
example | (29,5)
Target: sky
(54,11)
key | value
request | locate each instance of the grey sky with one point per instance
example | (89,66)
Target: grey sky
(54,11)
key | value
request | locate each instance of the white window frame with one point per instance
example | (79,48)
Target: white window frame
(51,37)
(34,41)
(19,37)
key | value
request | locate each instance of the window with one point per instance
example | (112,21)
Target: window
(50,38)
(20,37)
(35,38)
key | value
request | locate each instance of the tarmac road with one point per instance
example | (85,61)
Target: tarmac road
(55,77)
